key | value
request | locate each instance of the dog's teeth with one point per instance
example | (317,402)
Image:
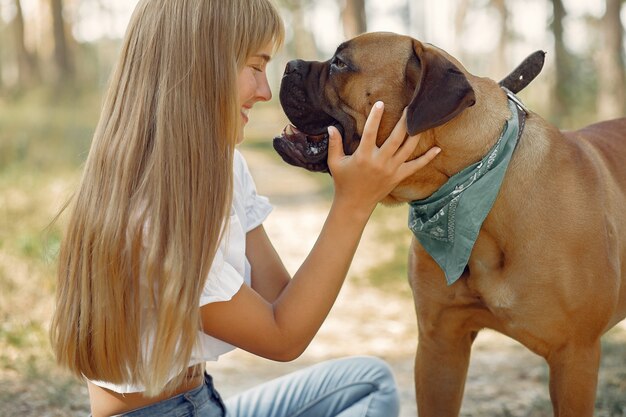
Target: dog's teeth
(289,130)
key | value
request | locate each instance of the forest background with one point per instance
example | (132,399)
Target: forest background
(55,60)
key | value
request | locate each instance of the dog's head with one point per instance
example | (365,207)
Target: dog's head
(395,69)
(403,73)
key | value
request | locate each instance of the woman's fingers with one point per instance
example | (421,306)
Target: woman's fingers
(370,131)
(371,172)
(396,137)
(410,167)
(407,148)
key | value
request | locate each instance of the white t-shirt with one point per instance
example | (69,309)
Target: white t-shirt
(230,268)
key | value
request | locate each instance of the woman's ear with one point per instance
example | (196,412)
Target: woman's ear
(441,90)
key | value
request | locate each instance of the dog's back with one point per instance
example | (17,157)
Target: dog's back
(608,138)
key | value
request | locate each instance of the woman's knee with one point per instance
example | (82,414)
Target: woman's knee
(374,372)
(385,399)
(373,368)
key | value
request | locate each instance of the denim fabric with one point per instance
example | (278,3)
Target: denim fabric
(351,387)
(203,401)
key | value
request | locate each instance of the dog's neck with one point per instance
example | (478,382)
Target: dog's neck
(447,222)
(461,146)
(459,142)
(467,138)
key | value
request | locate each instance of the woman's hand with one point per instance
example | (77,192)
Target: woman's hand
(371,173)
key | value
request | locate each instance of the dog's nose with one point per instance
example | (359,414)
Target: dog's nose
(293,66)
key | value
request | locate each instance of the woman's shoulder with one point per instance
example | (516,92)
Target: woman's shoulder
(240,169)
(239,161)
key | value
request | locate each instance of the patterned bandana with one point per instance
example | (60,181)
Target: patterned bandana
(447,223)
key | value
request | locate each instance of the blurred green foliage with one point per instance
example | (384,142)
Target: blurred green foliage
(45,135)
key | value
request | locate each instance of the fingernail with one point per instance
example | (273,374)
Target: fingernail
(330,132)
(379,104)
(437,150)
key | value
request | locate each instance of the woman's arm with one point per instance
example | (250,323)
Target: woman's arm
(269,275)
(283,328)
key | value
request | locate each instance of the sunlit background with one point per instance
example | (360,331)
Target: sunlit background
(489,36)
(55,59)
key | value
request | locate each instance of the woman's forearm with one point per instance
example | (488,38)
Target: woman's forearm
(306,301)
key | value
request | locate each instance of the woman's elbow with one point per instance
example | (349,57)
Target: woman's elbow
(286,352)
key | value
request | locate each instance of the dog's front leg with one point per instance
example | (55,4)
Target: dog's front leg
(441,364)
(574,379)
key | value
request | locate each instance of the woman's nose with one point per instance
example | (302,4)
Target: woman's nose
(264,92)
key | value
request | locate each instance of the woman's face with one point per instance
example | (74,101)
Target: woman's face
(252,83)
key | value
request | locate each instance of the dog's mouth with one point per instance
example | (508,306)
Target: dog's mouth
(309,151)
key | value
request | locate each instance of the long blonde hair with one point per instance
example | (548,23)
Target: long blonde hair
(156,190)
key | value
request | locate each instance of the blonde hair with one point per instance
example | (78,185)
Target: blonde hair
(156,190)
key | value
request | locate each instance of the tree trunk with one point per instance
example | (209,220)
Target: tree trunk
(2,57)
(62,55)
(354,18)
(28,71)
(417,19)
(303,43)
(500,65)
(561,61)
(611,100)
(460,16)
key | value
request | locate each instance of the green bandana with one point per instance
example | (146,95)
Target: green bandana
(447,223)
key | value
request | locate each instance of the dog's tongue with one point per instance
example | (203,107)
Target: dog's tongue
(299,149)
(292,134)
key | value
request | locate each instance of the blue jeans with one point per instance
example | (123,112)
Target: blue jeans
(203,401)
(351,387)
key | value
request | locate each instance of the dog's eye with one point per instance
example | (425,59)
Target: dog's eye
(339,64)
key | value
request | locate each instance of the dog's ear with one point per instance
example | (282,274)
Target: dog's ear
(441,90)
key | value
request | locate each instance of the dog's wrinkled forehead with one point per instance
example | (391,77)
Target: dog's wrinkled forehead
(373,55)
(392,46)
(369,68)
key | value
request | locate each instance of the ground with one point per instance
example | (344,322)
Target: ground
(504,378)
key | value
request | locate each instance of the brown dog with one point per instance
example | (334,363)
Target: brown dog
(549,265)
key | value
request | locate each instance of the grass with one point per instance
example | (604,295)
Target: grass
(43,142)
(40,135)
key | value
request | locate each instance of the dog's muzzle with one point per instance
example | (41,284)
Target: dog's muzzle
(304,143)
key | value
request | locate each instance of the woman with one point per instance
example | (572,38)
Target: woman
(165,263)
